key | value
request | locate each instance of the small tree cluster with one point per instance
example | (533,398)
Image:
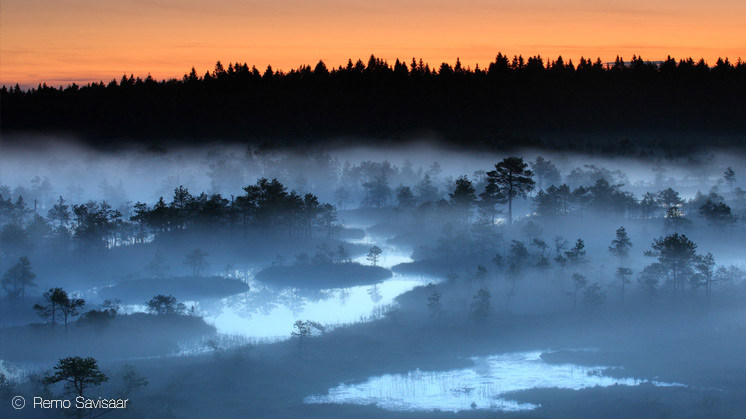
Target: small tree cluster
(57,303)
(165,305)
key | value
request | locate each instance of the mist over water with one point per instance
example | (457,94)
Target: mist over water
(244,315)
(267,313)
(147,173)
(374,281)
(486,385)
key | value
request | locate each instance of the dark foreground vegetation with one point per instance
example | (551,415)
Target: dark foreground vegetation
(514,102)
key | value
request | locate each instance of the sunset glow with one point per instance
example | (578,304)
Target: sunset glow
(85,40)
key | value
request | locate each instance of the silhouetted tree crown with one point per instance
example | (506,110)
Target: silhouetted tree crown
(514,179)
(78,373)
(18,278)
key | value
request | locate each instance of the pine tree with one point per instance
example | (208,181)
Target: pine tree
(18,278)
(514,179)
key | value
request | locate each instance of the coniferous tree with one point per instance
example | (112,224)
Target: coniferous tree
(374,254)
(165,305)
(78,374)
(717,214)
(480,305)
(426,190)
(576,255)
(676,254)
(434,305)
(621,245)
(649,279)
(546,172)
(404,197)
(157,265)
(648,205)
(377,192)
(60,213)
(623,275)
(57,300)
(705,275)
(18,278)
(579,282)
(593,296)
(489,198)
(730,177)
(196,261)
(514,179)
(463,197)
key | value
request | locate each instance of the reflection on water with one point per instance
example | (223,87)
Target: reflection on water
(267,313)
(481,386)
(391,255)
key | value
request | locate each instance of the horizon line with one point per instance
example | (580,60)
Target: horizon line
(84,81)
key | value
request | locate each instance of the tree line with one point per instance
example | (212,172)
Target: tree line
(266,209)
(494,106)
(466,219)
(678,273)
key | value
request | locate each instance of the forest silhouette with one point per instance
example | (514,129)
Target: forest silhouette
(511,103)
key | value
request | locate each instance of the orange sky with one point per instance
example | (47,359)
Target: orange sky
(61,41)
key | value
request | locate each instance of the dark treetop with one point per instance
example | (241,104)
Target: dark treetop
(513,102)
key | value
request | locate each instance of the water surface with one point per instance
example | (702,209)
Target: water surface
(484,385)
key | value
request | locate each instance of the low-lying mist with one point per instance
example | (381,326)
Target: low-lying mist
(143,173)
(402,281)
